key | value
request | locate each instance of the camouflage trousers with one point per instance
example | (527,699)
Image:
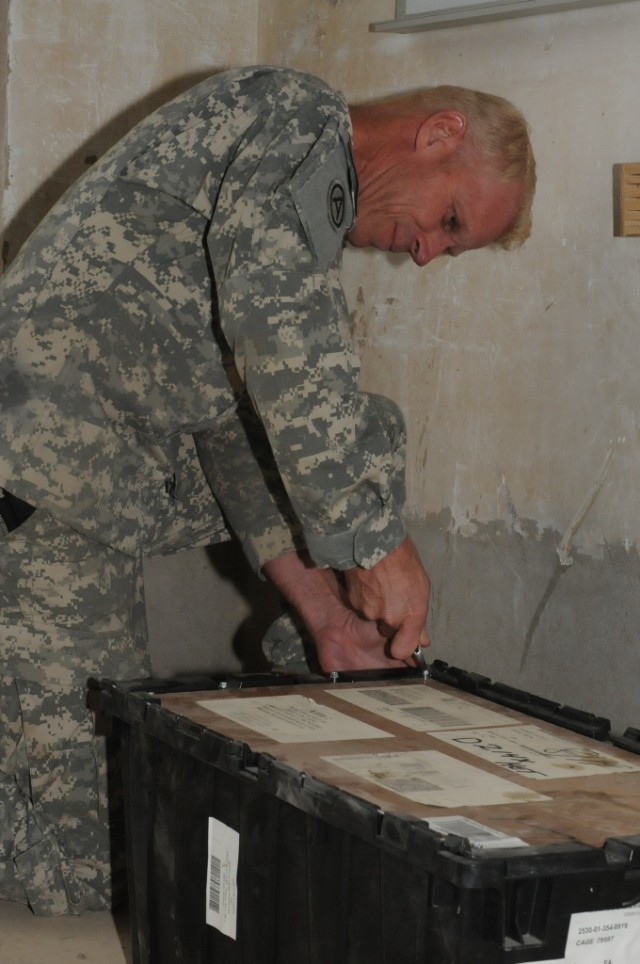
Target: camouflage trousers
(70,609)
(288,647)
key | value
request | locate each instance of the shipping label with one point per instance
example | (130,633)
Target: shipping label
(422,708)
(293,719)
(222,887)
(430,777)
(603,937)
(531,752)
(479,835)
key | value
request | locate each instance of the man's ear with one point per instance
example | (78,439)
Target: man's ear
(441,134)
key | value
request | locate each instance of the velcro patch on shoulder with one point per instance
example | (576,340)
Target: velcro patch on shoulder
(321,192)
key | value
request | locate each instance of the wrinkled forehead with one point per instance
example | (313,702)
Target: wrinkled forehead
(489,209)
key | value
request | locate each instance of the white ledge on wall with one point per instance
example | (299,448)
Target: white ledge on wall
(414,15)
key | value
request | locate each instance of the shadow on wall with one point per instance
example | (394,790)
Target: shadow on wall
(207,612)
(259,601)
(44,197)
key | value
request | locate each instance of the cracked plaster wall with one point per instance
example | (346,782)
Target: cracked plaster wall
(516,371)
(81,74)
(4,19)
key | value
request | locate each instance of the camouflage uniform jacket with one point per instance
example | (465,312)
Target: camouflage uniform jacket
(189,277)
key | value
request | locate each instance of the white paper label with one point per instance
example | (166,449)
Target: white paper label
(222,887)
(422,708)
(478,835)
(293,719)
(529,751)
(433,778)
(603,937)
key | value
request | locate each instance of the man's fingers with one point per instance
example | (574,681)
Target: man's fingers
(395,594)
(409,635)
(392,647)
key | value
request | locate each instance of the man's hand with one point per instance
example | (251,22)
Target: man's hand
(395,595)
(344,640)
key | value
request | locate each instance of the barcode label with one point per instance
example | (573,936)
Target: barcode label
(214,883)
(467,828)
(428,714)
(222,888)
(389,697)
(485,838)
(409,785)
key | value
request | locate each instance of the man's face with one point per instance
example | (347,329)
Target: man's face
(425,211)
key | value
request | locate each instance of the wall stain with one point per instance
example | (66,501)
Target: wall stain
(359,320)
(537,616)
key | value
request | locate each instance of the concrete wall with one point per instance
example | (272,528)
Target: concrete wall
(517,371)
(82,72)
(4,66)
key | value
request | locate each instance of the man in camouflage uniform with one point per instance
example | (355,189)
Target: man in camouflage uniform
(175,368)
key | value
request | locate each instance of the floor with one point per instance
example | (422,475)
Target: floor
(98,938)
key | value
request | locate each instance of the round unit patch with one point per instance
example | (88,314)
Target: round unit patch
(336,202)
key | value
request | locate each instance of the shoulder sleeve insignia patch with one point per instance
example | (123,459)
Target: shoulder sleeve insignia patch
(322,197)
(336,202)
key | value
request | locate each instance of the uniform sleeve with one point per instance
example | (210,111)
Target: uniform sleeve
(284,317)
(237,462)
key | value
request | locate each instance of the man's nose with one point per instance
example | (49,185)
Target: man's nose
(426,248)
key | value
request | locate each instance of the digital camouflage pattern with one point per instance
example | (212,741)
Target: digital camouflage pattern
(69,609)
(175,364)
(62,852)
(112,356)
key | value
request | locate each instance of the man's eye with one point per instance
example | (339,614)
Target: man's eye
(452,222)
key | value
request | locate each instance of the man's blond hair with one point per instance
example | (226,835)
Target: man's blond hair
(497,140)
